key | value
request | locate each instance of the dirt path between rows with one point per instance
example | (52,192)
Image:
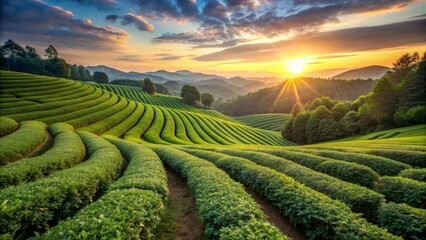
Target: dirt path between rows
(274,216)
(180,220)
(42,147)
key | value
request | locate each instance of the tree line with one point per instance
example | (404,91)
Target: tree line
(397,99)
(14,57)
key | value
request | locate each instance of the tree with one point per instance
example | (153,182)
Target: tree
(74,72)
(349,123)
(383,100)
(58,67)
(31,52)
(11,48)
(207,99)
(50,52)
(148,86)
(299,127)
(297,108)
(402,67)
(339,110)
(190,94)
(287,131)
(100,77)
(83,74)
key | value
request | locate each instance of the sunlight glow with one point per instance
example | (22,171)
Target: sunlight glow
(296,67)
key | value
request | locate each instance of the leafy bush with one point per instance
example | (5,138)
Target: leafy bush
(120,214)
(29,135)
(7,126)
(413,158)
(418,174)
(349,172)
(322,217)
(403,190)
(222,203)
(359,199)
(403,220)
(68,150)
(41,203)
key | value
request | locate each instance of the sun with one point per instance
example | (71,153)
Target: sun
(296,67)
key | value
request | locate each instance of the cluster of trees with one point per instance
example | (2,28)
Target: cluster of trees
(192,96)
(282,97)
(160,88)
(14,57)
(398,99)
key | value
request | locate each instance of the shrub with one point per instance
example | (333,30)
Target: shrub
(120,214)
(403,220)
(403,190)
(222,203)
(349,172)
(322,217)
(29,135)
(418,174)
(7,126)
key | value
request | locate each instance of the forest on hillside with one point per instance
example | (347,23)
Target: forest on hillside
(282,97)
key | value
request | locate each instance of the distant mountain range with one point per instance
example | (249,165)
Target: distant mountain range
(217,85)
(223,87)
(373,72)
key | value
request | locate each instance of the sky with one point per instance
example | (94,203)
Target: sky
(226,37)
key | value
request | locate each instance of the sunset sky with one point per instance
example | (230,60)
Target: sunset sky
(227,37)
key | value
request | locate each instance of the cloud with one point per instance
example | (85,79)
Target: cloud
(167,56)
(102,5)
(112,17)
(52,24)
(333,42)
(138,21)
(129,58)
(226,20)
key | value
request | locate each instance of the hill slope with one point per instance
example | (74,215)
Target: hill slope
(268,121)
(372,72)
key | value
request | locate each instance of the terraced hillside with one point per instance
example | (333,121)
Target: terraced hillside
(80,162)
(268,121)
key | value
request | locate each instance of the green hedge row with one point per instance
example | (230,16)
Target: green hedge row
(121,128)
(383,166)
(145,170)
(29,135)
(403,190)
(418,174)
(224,206)
(359,199)
(120,214)
(67,151)
(413,158)
(132,207)
(349,172)
(403,220)
(38,204)
(322,217)
(7,126)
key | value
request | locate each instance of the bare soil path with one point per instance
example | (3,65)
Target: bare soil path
(274,216)
(180,220)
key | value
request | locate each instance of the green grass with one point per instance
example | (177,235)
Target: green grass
(268,121)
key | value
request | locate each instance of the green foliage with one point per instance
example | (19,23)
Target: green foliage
(403,220)
(414,115)
(120,214)
(268,121)
(207,100)
(297,108)
(67,151)
(137,174)
(148,86)
(50,52)
(340,110)
(359,199)
(321,216)
(29,135)
(57,67)
(349,172)
(402,67)
(190,94)
(298,126)
(383,100)
(162,89)
(7,126)
(222,203)
(418,174)
(325,101)
(61,194)
(403,190)
(100,77)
